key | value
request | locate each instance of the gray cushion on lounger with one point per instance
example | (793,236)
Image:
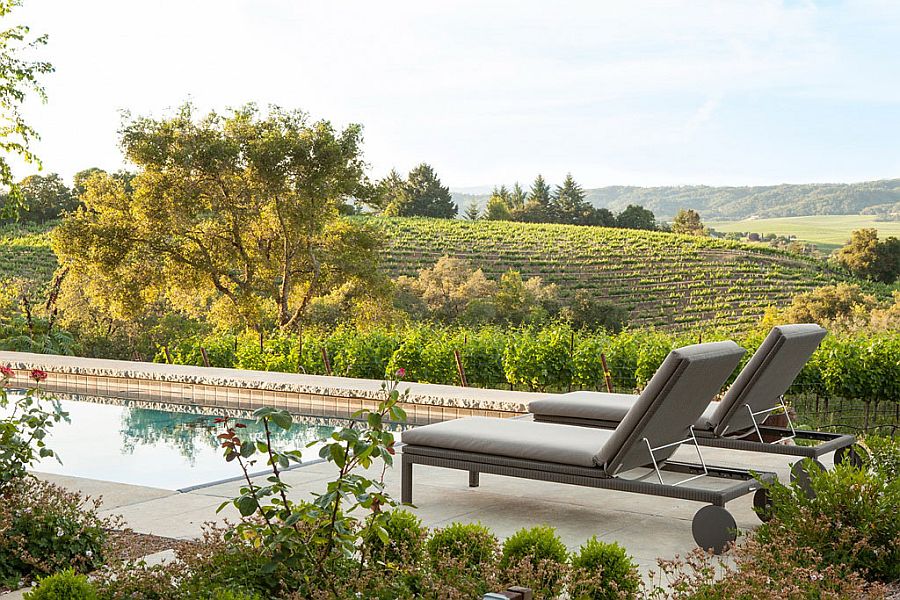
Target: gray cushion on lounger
(670,404)
(601,406)
(516,438)
(769,373)
(663,415)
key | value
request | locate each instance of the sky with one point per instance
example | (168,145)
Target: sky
(725,92)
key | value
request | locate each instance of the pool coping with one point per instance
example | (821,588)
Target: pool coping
(199,385)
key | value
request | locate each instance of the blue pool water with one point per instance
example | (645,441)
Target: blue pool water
(126,443)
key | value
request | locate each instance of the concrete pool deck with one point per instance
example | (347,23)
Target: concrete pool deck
(648,527)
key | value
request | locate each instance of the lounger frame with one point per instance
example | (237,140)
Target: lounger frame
(828,442)
(739,482)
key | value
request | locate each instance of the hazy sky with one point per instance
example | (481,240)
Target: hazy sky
(642,93)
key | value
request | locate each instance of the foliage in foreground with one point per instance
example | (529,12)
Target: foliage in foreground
(24,427)
(44,528)
(850,521)
(64,585)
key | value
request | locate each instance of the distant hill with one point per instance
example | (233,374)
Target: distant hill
(787,200)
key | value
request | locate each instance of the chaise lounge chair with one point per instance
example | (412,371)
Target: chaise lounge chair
(633,458)
(735,423)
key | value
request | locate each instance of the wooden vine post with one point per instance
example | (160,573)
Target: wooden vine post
(606,373)
(460,369)
(205,357)
(327,360)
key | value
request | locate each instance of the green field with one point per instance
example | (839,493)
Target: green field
(664,280)
(828,232)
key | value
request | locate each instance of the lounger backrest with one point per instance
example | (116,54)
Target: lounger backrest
(768,374)
(676,396)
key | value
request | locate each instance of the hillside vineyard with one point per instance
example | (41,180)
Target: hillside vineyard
(664,280)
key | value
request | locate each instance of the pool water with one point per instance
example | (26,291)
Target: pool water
(158,448)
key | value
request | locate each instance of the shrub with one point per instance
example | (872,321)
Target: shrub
(406,539)
(236,565)
(44,528)
(775,570)
(139,581)
(465,554)
(603,571)
(536,558)
(226,594)
(885,455)
(851,520)
(65,585)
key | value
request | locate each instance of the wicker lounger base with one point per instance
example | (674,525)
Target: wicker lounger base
(839,443)
(713,526)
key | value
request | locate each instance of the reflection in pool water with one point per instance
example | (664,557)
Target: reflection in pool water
(157,448)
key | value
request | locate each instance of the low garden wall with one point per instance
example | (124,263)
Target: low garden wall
(312,395)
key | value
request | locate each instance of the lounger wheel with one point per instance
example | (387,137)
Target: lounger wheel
(854,455)
(800,475)
(762,503)
(714,528)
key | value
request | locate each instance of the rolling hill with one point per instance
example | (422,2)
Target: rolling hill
(727,203)
(664,280)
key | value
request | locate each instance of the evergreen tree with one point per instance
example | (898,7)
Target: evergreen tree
(421,195)
(517,197)
(472,212)
(537,203)
(540,192)
(569,206)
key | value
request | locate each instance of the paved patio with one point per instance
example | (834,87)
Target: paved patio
(648,527)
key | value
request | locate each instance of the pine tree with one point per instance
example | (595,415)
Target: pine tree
(537,204)
(472,212)
(422,196)
(569,206)
(517,197)
(540,192)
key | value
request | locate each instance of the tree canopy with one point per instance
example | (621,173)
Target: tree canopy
(42,198)
(688,221)
(421,194)
(636,217)
(233,216)
(19,78)
(865,256)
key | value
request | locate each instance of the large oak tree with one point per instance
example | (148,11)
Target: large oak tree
(234,216)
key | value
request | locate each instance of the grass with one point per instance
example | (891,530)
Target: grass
(828,232)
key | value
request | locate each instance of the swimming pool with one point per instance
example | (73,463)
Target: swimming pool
(161,447)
